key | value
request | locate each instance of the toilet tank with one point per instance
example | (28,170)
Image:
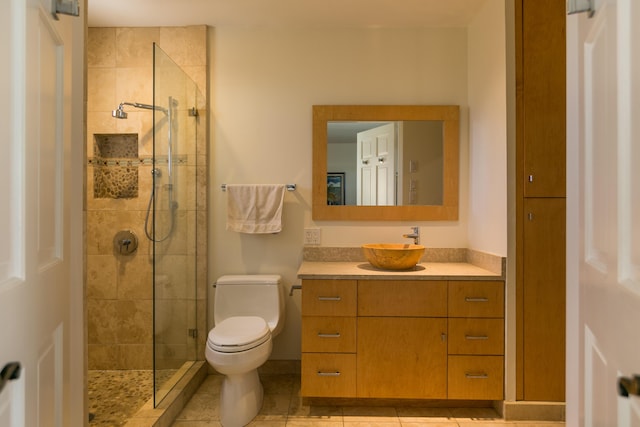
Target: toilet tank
(250,295)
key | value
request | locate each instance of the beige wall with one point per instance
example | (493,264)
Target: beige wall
(119,288)
(264,83)
(488,130)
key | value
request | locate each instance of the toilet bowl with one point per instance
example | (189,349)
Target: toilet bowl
(248,312)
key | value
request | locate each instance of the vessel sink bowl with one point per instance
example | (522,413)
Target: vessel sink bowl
(393,256)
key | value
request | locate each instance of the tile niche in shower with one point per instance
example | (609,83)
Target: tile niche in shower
(115,166)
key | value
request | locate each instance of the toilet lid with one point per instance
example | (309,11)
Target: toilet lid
(238,334)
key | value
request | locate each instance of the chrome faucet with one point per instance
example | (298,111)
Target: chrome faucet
(415,235)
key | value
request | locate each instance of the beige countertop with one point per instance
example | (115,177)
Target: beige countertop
(423,271)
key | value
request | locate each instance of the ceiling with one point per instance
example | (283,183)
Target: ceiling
(284,13)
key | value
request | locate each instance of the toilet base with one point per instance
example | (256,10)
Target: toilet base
(240,398)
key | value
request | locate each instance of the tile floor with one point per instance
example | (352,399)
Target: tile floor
(283,407)
(114,396)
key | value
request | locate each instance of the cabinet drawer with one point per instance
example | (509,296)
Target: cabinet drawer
(329,334)
(329,297)
(328,375)
(476,336)
(406,298)
(476,377)
(476,299)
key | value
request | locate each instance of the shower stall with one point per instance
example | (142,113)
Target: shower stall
(144,221)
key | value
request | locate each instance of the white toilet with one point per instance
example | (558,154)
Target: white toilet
(248,311)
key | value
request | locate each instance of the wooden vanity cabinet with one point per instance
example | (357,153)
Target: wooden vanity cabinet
(402,346)
(412,339)
(476,340)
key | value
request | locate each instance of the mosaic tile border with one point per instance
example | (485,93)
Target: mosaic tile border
(141,161)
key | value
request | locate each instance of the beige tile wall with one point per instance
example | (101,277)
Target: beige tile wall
(119,288)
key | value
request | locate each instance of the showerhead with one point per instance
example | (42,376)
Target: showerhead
(119,113)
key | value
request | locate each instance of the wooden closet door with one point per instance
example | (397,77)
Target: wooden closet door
(544,295)
(543,90)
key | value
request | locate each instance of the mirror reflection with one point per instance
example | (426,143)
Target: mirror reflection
(385,163)
(405,166)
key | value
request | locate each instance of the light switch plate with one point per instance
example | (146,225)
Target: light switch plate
(311,236)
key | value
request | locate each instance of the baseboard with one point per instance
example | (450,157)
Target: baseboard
(531,411)
(280,367)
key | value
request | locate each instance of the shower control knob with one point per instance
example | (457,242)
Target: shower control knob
(125,242)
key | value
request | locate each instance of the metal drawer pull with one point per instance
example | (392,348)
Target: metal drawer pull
(476,337)
(476,299)
(334,335)
(328,374)
(330,298)
(477,376)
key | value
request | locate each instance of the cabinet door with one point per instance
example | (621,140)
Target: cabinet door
(543,95)
(402,358)
(544,299)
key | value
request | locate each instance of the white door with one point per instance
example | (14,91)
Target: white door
(376,177)
(603,213)
(386,165)
(41,122)
(366,175)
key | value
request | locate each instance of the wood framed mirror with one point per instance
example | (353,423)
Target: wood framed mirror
(398,201)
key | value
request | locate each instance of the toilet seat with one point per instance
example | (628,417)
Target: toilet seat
(239,333)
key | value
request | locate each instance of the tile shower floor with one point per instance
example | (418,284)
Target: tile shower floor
(114,396)
(283,407)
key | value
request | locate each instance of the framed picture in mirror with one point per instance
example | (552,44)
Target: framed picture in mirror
(335,188)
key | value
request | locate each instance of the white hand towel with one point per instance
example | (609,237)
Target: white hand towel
(255,208)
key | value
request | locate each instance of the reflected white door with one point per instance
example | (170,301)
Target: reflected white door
(40,219)
(603,213)
(366,175)
(376,177)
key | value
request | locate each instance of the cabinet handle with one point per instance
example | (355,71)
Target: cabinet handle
(329,374)
(330,298)
(476,376)
(10,372)
(629,386)
(476,299)
(476,337)
(334,335)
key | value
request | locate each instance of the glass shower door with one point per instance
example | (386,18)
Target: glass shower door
(173,225)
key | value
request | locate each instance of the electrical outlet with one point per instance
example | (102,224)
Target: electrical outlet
(311,236)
